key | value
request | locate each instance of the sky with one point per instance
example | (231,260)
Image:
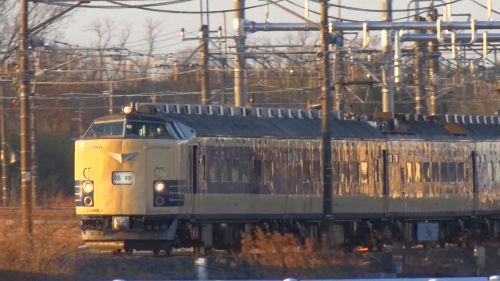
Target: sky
(77,29)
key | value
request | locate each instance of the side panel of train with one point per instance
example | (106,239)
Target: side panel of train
(252,179)
(487,161)
(429,179)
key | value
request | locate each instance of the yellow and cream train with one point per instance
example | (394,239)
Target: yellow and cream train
(159,176)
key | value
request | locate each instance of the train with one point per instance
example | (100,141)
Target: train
(160,176)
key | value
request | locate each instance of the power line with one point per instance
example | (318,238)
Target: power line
(481,5)
(146,7)
(383,10)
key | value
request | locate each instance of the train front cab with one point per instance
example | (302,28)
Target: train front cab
(130,182)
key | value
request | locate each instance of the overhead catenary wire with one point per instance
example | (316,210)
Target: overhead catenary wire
(145,7)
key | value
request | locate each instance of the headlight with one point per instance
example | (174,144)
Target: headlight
(160,186)
(88,202)
(88,187)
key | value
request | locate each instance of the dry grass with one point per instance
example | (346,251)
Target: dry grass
(285,250)
(47,251)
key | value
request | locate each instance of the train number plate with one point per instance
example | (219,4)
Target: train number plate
(123,177)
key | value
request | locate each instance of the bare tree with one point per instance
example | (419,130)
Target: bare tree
(152,32)
(9,26)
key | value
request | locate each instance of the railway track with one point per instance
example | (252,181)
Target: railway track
(12,212)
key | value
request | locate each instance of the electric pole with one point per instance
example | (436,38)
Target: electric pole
(24,86)
(5,154)
(325,119)
(433,65)
(387,83)
(34,154)
(205,75)
(240,94)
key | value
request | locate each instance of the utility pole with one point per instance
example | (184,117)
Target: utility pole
(326,160)
(339,65)
(110,97)
(24,86)
(4,151)
(34,154)
(205,74)
(387,83)
(240,93)
(432,63)
(338,72)
(418,77)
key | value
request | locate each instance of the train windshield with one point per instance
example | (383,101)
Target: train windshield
(150,129)
(133,128)
(103,129)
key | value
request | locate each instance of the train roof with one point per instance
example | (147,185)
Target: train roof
(212,121)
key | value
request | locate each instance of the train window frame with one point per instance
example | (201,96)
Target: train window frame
(103,124)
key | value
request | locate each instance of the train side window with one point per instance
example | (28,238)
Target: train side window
(344,172)
(402,174)
(235,170)
(363,169)
(460,172)
(335,171)
(435,172)
(452,172)
(444,172)
(497,171)
(213,170)
(245,166)
(426,172)
(467,173)
(316,171)
(306,171)
(409,172)
(491,172)
(418,172)
(224,170)
(257,170)
(354,169)
(268,171)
